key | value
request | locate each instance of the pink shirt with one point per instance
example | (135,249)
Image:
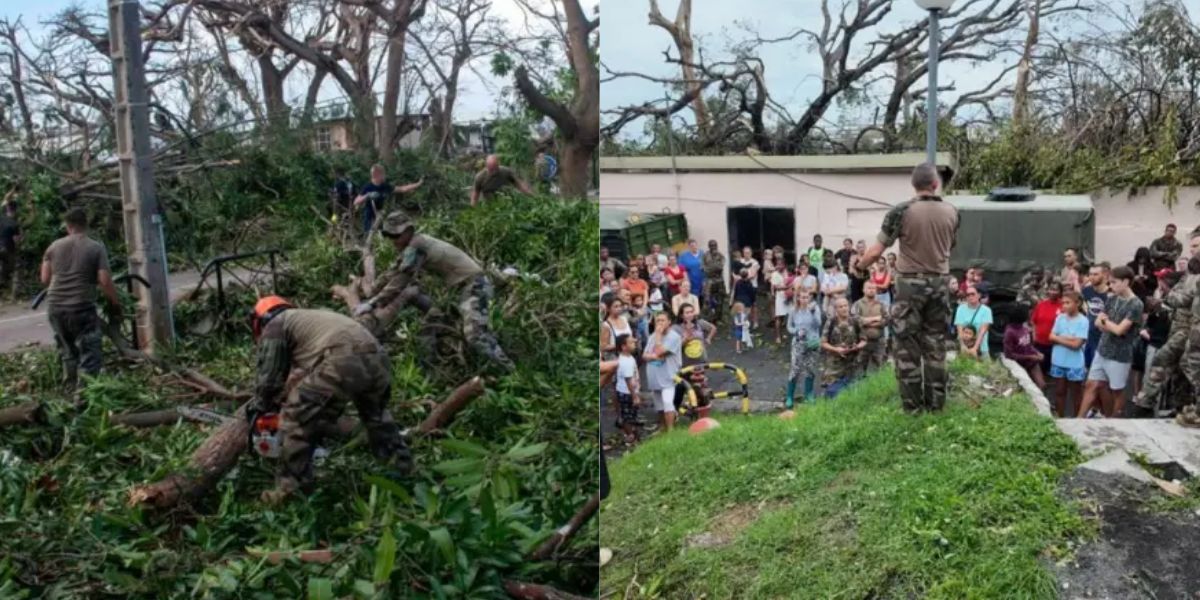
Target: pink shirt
(1070,279)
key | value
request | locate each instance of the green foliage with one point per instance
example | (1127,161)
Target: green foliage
(1047,161)
(518,463)
(851,499)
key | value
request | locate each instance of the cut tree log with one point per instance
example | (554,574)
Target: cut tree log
(564,534)
(208,464)
(220,452)
(533,591)
(22,414)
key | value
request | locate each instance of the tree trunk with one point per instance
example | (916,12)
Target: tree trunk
(403,14)
(310,99)
(446,128)
(1024,66)
(272,84)
(575,169)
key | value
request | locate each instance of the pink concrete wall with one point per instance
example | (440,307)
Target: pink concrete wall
(704,197)
(1123,221)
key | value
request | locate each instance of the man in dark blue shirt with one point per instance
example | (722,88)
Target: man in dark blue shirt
(376,194)
(1095,294)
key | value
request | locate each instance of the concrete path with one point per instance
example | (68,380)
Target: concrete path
(1115,440)
(21,327)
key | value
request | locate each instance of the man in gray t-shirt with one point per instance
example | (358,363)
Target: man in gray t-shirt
(663,360)
(74,267)
(1110,367)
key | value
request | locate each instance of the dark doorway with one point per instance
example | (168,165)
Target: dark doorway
(762,228)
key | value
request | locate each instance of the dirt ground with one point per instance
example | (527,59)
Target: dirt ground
(1139,553)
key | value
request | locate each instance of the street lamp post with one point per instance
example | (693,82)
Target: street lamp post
(931,106)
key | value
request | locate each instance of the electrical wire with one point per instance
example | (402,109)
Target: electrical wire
(775,171)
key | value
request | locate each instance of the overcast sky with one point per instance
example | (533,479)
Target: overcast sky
(792,70)
(476,99)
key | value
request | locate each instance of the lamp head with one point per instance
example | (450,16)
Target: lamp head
(942,5)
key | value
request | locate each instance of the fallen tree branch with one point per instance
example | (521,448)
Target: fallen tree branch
(201,380)
(155,418)
(533,591)
(447,410)
(564,534)
(22,414)
(323,557)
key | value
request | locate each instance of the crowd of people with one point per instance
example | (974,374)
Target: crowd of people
(1088,334)
(1096,335)
(663,310)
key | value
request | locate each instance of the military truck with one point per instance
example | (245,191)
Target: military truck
(627,233)
(1010,231)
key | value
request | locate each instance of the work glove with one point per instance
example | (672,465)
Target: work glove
(362,309)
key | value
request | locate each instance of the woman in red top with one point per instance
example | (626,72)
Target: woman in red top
(1043,321)
(674,274)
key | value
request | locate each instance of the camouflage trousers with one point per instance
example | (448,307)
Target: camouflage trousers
(873,356)
(474,304)
(79,339)
(920,318)
(1166,360)
(804,361)
(835,367)
(714,299)
(311,411)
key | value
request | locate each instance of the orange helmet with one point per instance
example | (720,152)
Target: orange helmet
(264,310)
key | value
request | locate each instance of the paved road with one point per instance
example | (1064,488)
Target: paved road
(21,327)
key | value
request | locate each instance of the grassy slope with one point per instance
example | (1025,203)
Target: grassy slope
(857,500)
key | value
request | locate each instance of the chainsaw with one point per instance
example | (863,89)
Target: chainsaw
(264,432)
(264,435)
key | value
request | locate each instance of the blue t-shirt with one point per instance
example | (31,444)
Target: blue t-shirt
(695,270)
(1093,303)
(965,315)
(1064,326)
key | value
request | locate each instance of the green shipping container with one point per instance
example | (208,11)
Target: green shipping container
(626,233)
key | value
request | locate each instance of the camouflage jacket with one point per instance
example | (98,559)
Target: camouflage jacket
(714,266)
(1181,301)
(842,334)
(1033,288)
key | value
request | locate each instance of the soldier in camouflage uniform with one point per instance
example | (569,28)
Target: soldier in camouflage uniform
(926,228)
(714,284)
(342,363)
(873,317)
(1033,287)
(1179,301)
(842,339)
(423,252)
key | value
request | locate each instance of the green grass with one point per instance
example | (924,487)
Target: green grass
(851,499)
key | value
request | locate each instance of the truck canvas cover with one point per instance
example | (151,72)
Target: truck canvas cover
(1007,239)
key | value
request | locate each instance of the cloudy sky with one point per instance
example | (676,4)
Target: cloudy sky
(792,71)
(477,94)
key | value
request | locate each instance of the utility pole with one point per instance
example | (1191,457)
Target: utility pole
(143,223)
